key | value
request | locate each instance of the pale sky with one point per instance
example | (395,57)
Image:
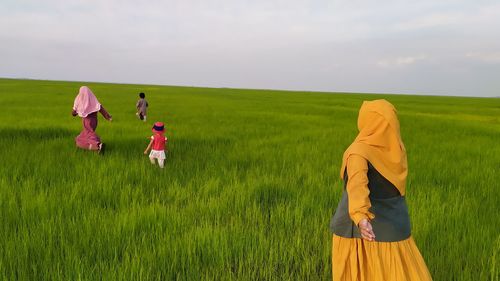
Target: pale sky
(443,47)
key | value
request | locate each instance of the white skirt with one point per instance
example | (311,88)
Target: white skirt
(158,154)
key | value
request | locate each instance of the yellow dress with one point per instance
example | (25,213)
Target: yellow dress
(355,259)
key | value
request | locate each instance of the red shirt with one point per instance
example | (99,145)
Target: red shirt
(159,142)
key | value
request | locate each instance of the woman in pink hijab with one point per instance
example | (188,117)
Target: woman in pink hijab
(86,106)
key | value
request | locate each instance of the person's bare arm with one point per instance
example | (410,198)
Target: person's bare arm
(149,147)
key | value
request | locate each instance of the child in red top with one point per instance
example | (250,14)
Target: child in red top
(158,144)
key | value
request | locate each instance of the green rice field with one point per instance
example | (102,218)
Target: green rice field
(250,183)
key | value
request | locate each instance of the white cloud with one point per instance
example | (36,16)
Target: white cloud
(401,61)
(431,21)
(488,57)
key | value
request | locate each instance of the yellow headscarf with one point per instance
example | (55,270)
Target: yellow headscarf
(379,142)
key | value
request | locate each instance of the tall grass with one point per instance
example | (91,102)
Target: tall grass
(249,186)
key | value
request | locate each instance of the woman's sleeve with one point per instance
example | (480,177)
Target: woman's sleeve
(357,189)
(104,113)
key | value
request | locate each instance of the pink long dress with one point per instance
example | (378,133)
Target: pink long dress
(88,139)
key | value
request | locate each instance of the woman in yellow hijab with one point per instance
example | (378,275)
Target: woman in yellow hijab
(371,228)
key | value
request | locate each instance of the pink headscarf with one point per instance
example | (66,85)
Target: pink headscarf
(86,102)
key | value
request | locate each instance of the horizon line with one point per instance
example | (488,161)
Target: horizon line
(255,89)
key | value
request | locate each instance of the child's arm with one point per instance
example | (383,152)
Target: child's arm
(149,146)
(166,144)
